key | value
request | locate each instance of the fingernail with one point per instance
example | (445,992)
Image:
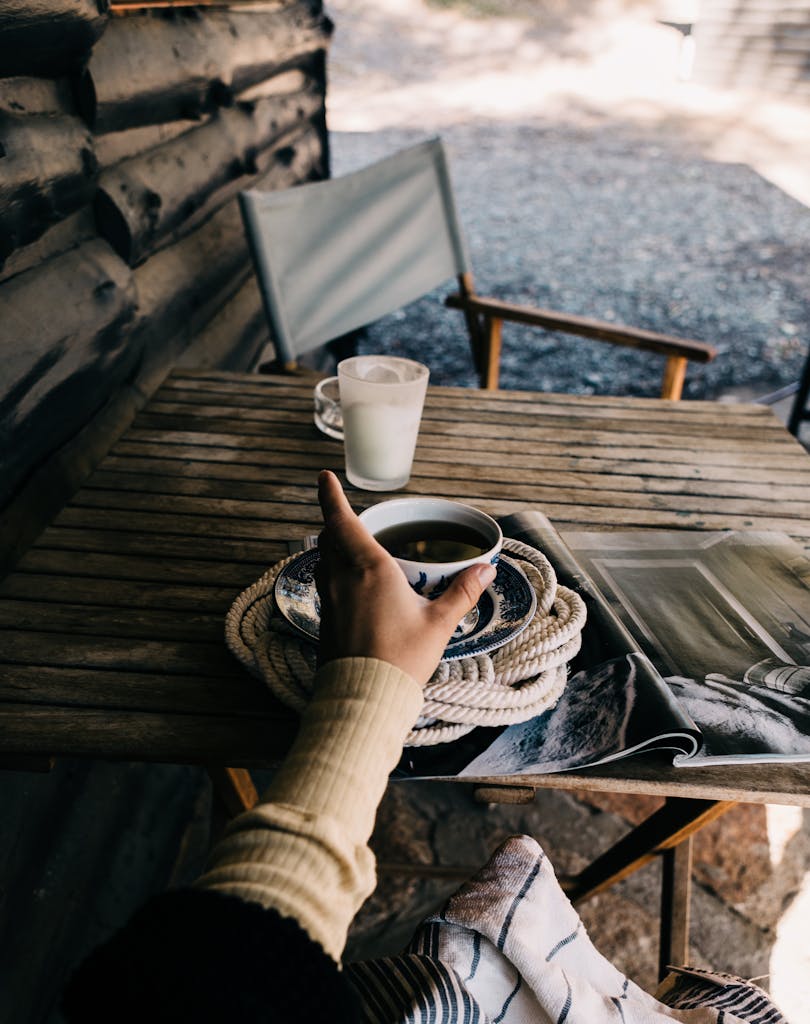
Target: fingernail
(486,574)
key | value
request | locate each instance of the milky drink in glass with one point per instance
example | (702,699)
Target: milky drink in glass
(381,398)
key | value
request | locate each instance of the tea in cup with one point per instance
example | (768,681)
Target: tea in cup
(433,539)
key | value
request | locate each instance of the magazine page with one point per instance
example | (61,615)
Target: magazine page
(725,619)
(614,704)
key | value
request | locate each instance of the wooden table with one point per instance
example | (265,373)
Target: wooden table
(113,621)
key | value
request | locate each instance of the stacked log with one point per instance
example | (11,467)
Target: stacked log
(124,142)
(73,313)
(761,45)
(235,337)
(49,171)
(141,201)
(152,70)
(48,37)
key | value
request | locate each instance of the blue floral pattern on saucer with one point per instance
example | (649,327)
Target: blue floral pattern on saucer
(505,608)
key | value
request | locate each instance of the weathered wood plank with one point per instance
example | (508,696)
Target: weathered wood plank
(136,619)
(126,654)
(137,491)
(131,542)
(612,507)
(276,421)
(205,388)
(260,739)
(78,564)
(184,597)
(789,457)
(236,694)
(281,469)
(459,406)
(148,70)
(777,486)
(261,409)
(441,461)
(459,433)
(258,482)
(492,474)
(498,424)
(653,776)
(100,621)
(256,394)
(48,37)
(299,491)
(286,507)
(214,527)
(221,381)
(53,482)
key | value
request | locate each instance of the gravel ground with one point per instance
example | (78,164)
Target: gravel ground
(604,223)
(604,216)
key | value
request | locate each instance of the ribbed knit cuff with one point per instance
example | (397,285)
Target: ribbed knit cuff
(350,739)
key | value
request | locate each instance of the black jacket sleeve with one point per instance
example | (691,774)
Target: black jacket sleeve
(199,956)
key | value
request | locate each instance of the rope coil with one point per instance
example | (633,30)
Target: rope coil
(512,684)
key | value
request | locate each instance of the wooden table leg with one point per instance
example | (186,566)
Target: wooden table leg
(666,832)
(232,792)
(676,889)
(233,788)
(675,821)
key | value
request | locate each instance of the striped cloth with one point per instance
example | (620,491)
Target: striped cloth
(508,948)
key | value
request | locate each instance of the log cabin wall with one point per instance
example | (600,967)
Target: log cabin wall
(125,136)
(762,45)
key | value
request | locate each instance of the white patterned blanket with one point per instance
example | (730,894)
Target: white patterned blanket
(509,948)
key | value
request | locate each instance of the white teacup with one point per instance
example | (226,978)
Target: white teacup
(433,539)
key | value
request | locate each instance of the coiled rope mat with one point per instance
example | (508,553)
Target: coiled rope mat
(512,684)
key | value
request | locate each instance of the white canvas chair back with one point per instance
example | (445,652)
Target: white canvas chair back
(338,254)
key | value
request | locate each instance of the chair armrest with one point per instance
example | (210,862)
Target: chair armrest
(631,337)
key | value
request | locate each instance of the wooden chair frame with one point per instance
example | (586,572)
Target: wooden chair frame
(485,318)
(385,235)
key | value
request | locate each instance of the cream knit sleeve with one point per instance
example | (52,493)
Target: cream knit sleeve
(304,849)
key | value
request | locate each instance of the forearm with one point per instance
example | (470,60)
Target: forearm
(304,849)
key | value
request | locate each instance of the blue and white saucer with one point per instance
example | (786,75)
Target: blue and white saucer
(505,608)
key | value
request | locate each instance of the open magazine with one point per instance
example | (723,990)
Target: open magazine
(698,642)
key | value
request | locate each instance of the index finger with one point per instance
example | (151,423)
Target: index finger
(340,520)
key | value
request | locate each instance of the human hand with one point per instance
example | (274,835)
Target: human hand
(368,608)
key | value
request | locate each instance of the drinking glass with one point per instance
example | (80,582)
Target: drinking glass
(381,398)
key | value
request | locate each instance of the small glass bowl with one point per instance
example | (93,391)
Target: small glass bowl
(328,415)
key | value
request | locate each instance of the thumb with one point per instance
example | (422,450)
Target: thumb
(463,593)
